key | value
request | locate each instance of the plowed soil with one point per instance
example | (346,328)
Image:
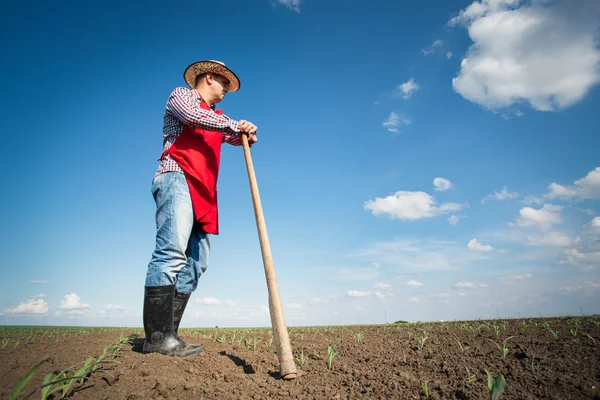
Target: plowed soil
(545,359)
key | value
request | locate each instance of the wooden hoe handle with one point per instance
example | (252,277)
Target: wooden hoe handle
(287,367)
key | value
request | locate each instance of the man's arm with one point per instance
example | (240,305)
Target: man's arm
(185,108)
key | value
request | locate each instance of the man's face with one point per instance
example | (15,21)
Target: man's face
(220,86)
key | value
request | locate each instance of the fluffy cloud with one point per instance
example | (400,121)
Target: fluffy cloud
(543,218)
(38,281)
(595,223)
(382,286)
(587,285)
(357,293)
(468,285)
(502,195)
(585,259)
(442,184)
(434,48)
(476,246)
(516,45)
(319,300)
(394,121)
(31,306)
(72,301)
(413,283)
(583,189)
(291,4)
(453,219)
(551,239)
(211,301)
(409,206)
(518,277)
(406,89)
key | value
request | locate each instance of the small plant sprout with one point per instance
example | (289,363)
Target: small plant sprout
(5,342)
(470,377)
(255,342)
(495,386)
(425,389)
(302,359)
(504,349)
(523,326)
(591,338)
(331,353)
(421,341)
(269,343)
(574,332)
(359,336)
(496,330)
(554,333)
(463,348)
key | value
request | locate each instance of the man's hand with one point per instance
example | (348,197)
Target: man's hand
(250,129)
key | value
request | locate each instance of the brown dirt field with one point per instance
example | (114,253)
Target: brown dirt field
(385,364)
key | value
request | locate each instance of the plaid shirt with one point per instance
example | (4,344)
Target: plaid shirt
(183,108)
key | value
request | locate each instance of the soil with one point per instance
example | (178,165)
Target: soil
(555,358)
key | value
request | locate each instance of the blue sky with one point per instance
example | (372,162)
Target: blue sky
(415,161)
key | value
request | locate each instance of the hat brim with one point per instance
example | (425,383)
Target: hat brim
(208,66)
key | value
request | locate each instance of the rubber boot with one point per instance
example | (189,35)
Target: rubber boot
(158,324)
(179,303)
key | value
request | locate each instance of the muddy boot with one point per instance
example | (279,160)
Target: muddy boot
(179,303)
(158,324)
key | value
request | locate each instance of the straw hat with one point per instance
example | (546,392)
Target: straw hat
(212,66)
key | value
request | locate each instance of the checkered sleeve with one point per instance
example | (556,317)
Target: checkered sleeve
(185,108)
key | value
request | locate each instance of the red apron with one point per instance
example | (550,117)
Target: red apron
(198,154)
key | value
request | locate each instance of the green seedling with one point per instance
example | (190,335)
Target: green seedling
(269,343)
(504,349)
(496,330)
(331,353)
(255,342)
(470,377)
(359,336)
(425,389)
(495,386)
(463,348)
(221,339)
(14,395)
(302,359)
(421,341)
(5,342)
(554,333)
(574,332)
(591,338)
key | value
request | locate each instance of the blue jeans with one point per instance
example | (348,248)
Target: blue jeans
(182,246)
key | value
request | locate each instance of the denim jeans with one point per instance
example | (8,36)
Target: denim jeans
(182,247)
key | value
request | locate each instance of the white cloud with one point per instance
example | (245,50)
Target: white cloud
(518,277)
(449,55)
(442,184)
(586,259)
(551,239)
(72,301)
(211,301)
(293,5)
(382,286)
(583,189)
(532,200)
(414,300)
(406,89)
(453,219)
(469,285)
(111,307)
(543,218)
(474,245)
(516,48)
(413,283)
(409,206)
(502,195)
(39,296)
(394,121)
(595,223)
(435,46)
(31,306)
(294,306)
(357,293)
(319,300)
(38,281)
(587,285)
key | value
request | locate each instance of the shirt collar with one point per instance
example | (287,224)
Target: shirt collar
(197,95)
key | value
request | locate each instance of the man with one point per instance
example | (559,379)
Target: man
(184,189)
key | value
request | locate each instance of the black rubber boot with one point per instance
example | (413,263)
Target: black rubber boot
(158,324)
(179,303)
